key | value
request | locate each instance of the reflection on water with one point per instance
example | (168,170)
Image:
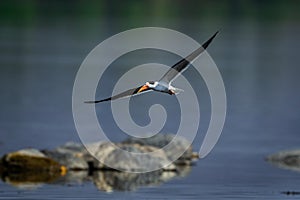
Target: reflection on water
(113,180)
(28,180)
(107,180)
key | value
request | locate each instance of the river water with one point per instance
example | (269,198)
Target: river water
(259,63)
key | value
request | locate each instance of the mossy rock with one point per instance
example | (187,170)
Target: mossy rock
(29,160)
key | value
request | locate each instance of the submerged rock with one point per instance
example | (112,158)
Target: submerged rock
(286,159)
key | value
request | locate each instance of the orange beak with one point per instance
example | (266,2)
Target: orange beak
(144,87)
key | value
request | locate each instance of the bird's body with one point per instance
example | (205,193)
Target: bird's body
(159,86)
(163,87)
(164,84)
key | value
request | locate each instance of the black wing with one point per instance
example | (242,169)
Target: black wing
(182,64)
(127,93)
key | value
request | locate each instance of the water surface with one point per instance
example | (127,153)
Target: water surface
(258,60)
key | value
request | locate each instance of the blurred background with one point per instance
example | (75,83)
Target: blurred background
(43,43)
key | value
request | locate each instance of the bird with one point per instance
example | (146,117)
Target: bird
(164,84)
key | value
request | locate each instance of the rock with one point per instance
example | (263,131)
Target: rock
(72,155)
(150,154)
(30,160)
(286,159)
(115,157)
(29,168)
(172,151)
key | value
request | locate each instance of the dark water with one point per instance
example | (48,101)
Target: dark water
(259,61)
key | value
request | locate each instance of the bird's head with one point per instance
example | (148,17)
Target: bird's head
(151,84)
(147,85)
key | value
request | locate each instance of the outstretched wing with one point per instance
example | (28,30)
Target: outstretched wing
(182,65)
(131,92)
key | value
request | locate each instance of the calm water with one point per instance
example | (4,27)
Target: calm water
(260,66)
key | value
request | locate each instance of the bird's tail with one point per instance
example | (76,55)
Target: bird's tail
(177,90)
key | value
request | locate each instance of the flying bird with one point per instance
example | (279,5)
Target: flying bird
(164,84)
